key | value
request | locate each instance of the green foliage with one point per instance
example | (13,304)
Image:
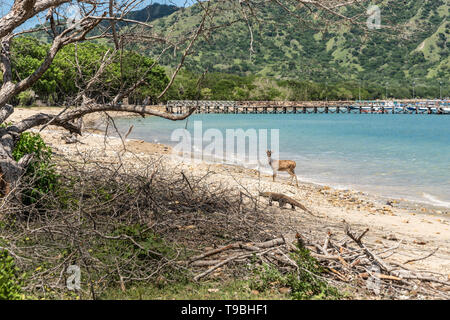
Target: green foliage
(61,80)
(10,280)
(295,63)
(343,54)
(146,247)
(25,98)
(27,55)
(303,284)
(189,290)
(30,142)
(206,93)
(185,87)
(40,171)
(307,284)
(148,244)
(220,86)
(134,66)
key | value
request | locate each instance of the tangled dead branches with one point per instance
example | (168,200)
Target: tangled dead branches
(120,227)
(159,225)
(348,262)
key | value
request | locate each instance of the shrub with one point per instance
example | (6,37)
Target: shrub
(306,283)
(10,281)
(26,98)
(40,172)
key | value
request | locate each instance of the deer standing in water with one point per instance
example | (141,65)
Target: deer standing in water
(282,165)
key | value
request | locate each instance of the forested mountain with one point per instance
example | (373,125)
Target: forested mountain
(152,12)
(418,50)
(292,61)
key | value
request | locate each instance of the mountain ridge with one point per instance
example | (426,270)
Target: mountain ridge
(286,52)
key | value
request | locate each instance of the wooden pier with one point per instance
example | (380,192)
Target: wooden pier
(308,107)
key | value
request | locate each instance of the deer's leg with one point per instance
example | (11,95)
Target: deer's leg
(273,176)
(293,175)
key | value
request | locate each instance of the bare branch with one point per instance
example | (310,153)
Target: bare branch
(64,120)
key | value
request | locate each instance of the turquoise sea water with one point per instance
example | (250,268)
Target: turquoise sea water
(398,156)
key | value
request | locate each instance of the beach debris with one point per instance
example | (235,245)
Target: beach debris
(423,258)
(70,138)
(189,207)
(392,202)
(390,237)
(348,261)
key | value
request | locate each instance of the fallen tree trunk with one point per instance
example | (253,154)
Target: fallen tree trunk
(11,170)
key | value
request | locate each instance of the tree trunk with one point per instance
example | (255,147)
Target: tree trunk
(10,170)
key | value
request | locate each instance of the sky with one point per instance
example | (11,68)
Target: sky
(5,6)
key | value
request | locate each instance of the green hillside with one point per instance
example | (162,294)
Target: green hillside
(294,60)
(284,49)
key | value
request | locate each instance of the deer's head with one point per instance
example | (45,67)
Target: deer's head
(269,153)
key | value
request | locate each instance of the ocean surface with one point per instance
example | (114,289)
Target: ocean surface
(397,156)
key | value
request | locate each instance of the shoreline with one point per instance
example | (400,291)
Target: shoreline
(410,203)
(406,203)
(418,228)
(94,121)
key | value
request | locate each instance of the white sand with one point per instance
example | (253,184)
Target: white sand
(420,228)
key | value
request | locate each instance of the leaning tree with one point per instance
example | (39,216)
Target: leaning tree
(65,22)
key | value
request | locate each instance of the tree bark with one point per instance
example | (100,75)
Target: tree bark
(11,170)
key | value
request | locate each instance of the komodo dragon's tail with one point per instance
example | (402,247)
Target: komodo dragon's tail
(298,204)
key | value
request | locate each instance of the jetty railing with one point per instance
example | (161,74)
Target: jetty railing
(308,107)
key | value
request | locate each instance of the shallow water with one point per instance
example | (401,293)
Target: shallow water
(398,156)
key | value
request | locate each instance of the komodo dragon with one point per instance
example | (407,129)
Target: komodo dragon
(282,200)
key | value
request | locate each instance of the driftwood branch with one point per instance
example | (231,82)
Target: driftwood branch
(66,120)
(357,239)
(342,263)
(423,258)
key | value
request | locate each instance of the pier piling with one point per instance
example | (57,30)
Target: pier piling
(255,107)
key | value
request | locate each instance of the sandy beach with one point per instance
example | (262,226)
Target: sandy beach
(417,229)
